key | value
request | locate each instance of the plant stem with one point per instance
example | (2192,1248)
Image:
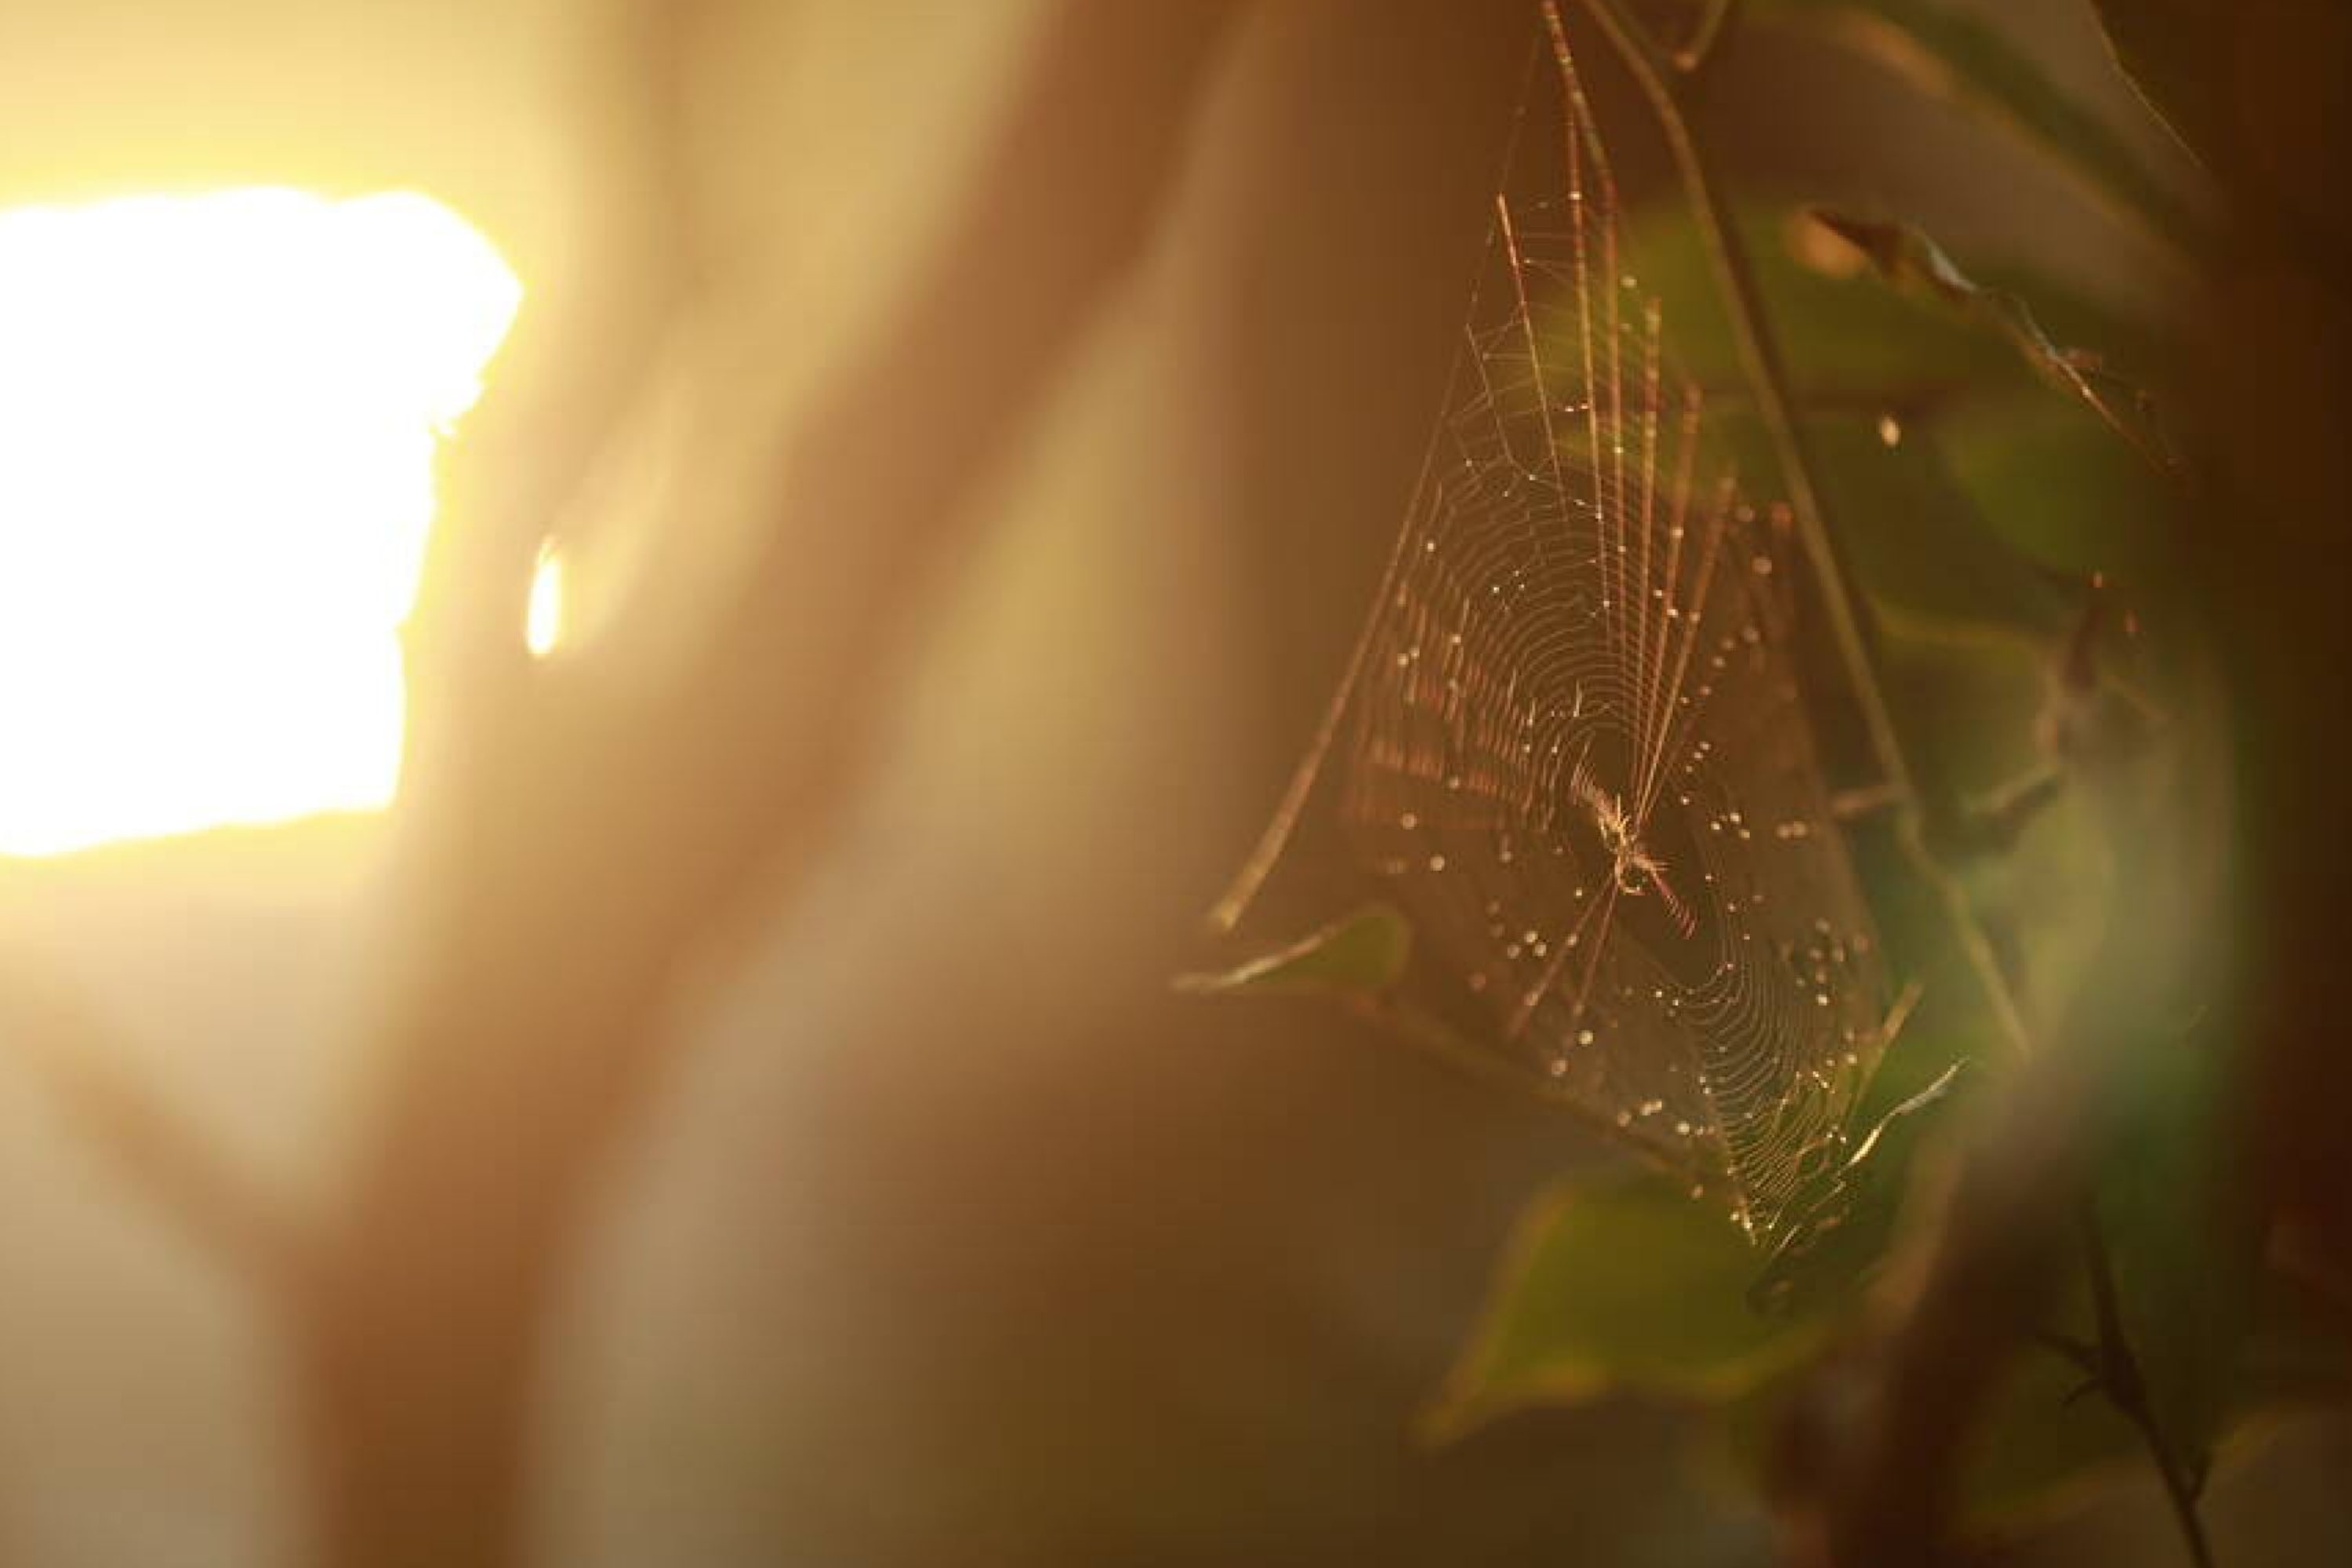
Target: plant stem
(1854,637)
(2117,1371)
(1852,631)
(1713,24)
(1767,373)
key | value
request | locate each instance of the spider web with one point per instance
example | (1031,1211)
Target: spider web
(1572,742)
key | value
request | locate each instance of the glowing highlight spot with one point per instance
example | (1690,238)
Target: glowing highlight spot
(217,421)
(544,621)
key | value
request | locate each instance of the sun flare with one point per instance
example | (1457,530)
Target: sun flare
(217,421)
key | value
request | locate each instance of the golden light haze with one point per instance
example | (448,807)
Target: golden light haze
(217,421)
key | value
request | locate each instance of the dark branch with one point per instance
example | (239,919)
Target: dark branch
(598,816)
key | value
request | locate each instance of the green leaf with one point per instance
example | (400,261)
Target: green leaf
(2184,1245)
(2182,1231)
(1617,1284)
(1856,347)
(2040,1446)
(1850,346)
(1363,952)
(1968,619)
(2045,1443)
(1923,548)
(2048,1443)
(2172,52)
(1946,53)
(1911,262)
(2059,491)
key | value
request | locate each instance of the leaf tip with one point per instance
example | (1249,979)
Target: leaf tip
(1360,955)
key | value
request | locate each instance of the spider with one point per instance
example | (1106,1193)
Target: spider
(1633,868)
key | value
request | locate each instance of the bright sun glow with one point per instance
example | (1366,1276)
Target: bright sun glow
(217,420)
(543,619)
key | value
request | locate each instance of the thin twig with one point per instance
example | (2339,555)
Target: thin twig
(1852,631)
(2117,1373)
(1713,24)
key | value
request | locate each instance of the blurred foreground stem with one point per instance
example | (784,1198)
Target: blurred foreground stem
(1713,23)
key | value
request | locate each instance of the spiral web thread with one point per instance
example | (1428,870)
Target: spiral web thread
(1572,740)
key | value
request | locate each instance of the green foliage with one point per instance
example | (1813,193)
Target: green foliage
(2062,493)
(2180,1240)
(1920,541)
(1946,53)
(2047,1441)
(1971,548)
(1852,346)
(1617,1284)
(1913,264)
(1985,475)
(1987,468)
(1995,477)
(2184,1244)
(2185,1260)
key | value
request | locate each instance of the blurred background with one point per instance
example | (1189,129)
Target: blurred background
(949,1232)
